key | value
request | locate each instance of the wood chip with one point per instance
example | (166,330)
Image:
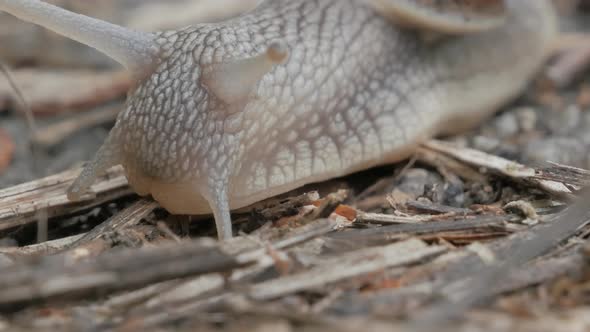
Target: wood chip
(345,267)
(128,217)
(6,150)
(523,248)
(436,208)
(42,248)
(570,175)
(53,277)
(499,166)
(384,219)
(393,231)
(19,204)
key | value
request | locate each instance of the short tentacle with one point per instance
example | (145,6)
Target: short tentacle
(233,81)
(107,156)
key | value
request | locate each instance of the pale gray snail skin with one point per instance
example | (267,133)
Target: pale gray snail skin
(296,91)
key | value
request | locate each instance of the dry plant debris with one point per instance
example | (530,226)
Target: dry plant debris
(6,150)
(19,204)
(309,259)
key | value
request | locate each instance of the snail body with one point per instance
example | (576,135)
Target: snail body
(297,91)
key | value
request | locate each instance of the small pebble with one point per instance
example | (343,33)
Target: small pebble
(506,125)
(459,141)
(479,193)
(524,209)
(6,261)
(454,194)
(584,131)
(434,193)
(414,181)
(564,122)
(486,144)
(7,242)
(562,150)
(527,118)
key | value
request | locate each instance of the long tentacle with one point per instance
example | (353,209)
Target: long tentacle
(133,49)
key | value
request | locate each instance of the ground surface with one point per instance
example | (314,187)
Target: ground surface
(441,238)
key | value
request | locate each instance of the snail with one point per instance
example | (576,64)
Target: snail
(226,114)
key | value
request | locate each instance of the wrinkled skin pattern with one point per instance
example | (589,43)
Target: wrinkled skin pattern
(356,92)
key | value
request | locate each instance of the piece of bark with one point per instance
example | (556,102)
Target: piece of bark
(346,266)
(400,300)
(385,219)
(42,248)
(327,205)
(390,232)
(274,208)
(439,161)
(19,204)
(244,249)
(125,218)
(54,277)
(437,208)
(573,176)
(500,166)
(518,250)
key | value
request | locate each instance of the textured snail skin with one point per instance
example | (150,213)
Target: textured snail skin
(299,91)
